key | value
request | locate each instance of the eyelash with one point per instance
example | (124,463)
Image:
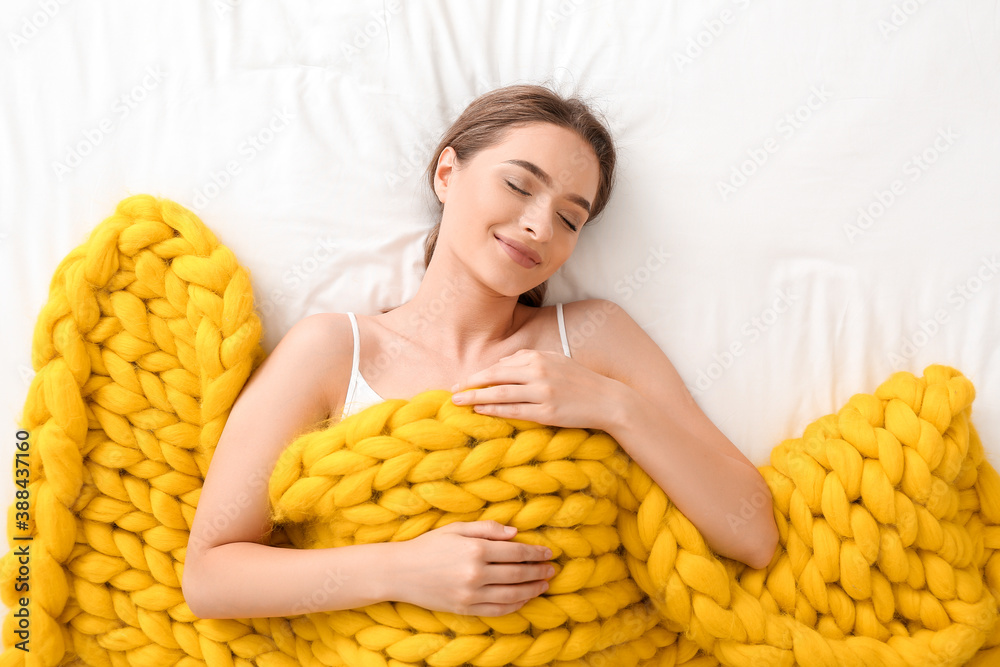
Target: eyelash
(517,189)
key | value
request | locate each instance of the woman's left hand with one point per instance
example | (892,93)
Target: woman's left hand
(543,387)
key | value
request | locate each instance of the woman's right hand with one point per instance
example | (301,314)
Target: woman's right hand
(468,567)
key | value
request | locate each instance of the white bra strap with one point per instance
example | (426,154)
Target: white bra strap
(355,361)
(562,329)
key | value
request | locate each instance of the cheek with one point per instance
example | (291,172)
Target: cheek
(493,204)
(557,259)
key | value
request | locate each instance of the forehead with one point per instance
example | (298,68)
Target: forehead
(544,138)
(561,152)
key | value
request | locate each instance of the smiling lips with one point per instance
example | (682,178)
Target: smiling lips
(521,254)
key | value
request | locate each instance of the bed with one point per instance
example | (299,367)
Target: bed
(806,200)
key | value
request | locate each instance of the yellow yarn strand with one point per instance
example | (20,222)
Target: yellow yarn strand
(888,511)
(885,557)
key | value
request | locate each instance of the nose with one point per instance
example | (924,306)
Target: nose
(536,218)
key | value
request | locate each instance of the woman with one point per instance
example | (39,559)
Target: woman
(518,176)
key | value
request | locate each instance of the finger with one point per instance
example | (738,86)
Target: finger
(520,411)
(489,529)
(499,600)
(500,394)
(495,386)
(487,376)
(517,573)
(516,552)
(488,610)
(514,593)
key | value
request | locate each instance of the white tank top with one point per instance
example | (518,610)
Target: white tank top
(360,395)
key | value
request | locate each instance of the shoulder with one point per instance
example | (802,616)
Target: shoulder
(599,331)
(595,320)
(316,344)
(621,349)
(322,322)
(590,309)
(327,341)
(324,333)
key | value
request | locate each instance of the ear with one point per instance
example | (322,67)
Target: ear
(443,172)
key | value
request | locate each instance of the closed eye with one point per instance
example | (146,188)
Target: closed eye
(517,189)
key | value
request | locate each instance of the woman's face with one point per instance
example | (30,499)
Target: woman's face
(496,200)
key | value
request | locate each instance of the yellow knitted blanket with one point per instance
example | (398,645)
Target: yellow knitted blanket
(888,512)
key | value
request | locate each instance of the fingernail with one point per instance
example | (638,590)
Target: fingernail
(456,386)
(458,398)
(548,553)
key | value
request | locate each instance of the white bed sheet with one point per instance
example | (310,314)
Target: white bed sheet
(752,142)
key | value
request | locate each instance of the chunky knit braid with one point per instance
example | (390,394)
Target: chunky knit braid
(888,510)
(148,336)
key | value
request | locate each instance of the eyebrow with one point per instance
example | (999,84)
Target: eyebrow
(545,178)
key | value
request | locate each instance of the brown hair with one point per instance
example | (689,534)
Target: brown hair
(487,121)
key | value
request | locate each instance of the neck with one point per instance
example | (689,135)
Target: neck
(457,316)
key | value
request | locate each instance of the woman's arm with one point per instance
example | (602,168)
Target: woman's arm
(655,419)
(250,580)
(228,571)
(720,492)
(467,568)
